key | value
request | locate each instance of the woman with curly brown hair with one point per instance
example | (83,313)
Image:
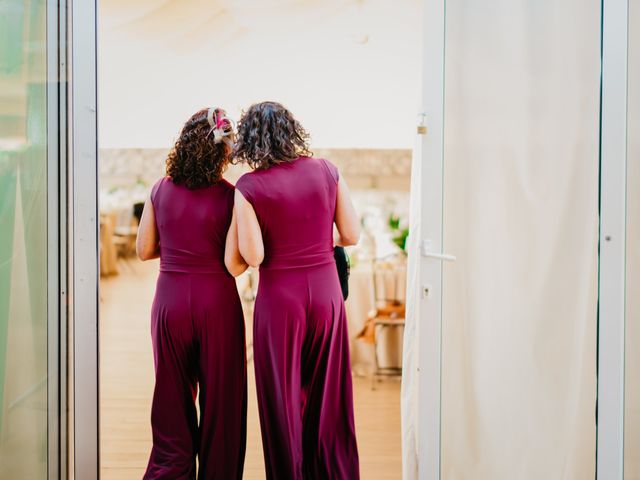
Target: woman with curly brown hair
(285,210)
(197,327)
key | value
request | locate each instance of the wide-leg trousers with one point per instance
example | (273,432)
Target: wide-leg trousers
(198,336)
(303,375)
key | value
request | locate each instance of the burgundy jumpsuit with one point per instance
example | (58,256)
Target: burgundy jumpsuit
(301,348)
(198,335)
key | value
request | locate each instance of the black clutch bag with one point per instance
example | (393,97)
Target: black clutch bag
(342,264)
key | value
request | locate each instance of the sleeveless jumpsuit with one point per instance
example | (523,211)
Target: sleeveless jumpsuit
(198,336)
(301,348)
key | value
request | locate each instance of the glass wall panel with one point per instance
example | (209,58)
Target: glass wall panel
(23,240)
(522,87)
(632,316)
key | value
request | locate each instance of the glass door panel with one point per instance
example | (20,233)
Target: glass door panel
(520,196)
(23,239)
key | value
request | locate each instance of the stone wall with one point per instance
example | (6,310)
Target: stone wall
(363,169)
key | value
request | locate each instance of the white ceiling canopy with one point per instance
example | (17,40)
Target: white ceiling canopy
(340,65)
(266,16)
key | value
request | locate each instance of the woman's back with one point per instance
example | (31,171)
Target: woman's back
(301,344)
(285,210)
(192,225)
(197,324)
(295,205)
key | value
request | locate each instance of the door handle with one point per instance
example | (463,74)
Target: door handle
(425,250)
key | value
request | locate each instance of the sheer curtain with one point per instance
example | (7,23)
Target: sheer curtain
(409,401)
(521,215)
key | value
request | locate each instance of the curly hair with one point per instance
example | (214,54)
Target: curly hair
(268,134)
(196,161)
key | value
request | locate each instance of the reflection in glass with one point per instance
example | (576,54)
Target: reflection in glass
(632,314)
(23,233)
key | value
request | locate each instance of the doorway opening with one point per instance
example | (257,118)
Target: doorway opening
(353,79)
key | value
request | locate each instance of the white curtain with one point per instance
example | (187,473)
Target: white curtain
(409,394)
(521,215)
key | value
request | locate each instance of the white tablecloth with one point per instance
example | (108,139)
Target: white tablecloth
(359,304)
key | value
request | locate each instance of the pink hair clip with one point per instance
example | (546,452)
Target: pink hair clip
(217,124)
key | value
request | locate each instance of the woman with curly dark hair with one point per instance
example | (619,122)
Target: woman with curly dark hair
(286,209)
(197,327)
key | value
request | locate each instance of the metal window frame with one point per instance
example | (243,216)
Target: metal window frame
(611,305)
(84,245)
(56,245)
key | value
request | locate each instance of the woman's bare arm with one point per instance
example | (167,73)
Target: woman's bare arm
(232,258)
(347,220)
(249,234)
(147,242)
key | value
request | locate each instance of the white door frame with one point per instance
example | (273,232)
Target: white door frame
(84,240)
(84,269)
(431,221)
(613,152)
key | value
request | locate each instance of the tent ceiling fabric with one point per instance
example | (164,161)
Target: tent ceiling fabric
(251,14)
(349,69)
